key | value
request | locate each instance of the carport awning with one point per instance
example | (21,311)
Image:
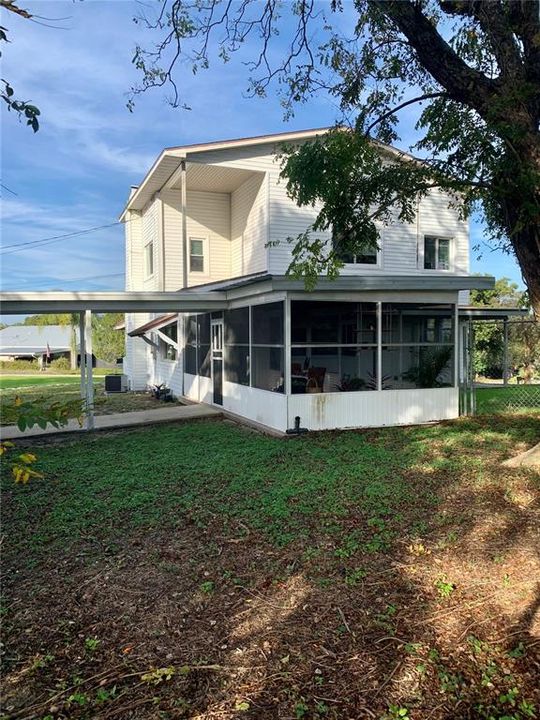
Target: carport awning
(154,324)
(188,301)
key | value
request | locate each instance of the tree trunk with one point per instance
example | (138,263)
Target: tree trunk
(526,245)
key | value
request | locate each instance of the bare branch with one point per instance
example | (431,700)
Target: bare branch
(393,111)
(10,5)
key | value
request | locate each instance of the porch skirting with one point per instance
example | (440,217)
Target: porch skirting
(331,411)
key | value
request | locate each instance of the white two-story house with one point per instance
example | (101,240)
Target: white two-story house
(377,346)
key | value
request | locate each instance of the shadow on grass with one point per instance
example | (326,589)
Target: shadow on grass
(389,573)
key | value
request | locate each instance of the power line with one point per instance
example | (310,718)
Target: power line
(79,279)
(19,247)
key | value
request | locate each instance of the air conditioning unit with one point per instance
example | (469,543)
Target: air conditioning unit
(116,383)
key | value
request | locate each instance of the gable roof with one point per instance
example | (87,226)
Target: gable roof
(170,158)
(32,339)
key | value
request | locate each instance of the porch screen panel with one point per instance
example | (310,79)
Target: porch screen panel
(203,345)
(417,346)
(190,348)
(267,346)
(333,346)
(237,355)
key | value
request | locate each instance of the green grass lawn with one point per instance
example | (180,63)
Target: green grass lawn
(521,398)
(48,389)
(390,569)
(22,381)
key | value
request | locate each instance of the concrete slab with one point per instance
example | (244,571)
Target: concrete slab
(119,420)
(529,458)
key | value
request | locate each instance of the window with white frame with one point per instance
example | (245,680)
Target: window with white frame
(364,256)
(196,254)
(436,253)
(167,350)
(149,259)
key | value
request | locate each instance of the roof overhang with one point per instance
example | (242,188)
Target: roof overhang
(491,313)
(154,324)
(390,282)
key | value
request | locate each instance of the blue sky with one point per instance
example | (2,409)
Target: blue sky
(75,173)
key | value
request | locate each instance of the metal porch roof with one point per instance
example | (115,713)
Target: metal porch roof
(215,295)
(20,303)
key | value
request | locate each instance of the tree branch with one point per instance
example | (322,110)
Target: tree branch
(463,83)
(393,111)
(492,16)
(10,5)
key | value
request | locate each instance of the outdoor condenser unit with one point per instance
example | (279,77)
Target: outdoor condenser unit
(116,383)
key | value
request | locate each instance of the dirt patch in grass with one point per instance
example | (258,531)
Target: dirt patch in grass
(104,404)
(201,571)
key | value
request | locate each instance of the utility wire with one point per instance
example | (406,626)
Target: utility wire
(16,247)
(79,279)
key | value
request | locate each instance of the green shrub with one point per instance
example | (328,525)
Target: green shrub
(18,365)
(61,363)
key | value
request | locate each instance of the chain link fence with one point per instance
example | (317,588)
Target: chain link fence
(506,366)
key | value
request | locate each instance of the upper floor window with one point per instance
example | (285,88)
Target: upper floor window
(436,253)
(149,259)
(367,256)
(196,255)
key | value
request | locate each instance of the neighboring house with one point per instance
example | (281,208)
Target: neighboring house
(377,346)
(28,342)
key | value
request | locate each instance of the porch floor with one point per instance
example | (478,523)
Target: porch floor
(119,420)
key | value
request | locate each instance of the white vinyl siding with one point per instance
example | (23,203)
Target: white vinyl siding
(437,219)
(248,227)
(172,233)
(150,237)
(208,216)
(401,244)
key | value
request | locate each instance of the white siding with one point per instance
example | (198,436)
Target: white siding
(327,411)
(249,230)
(172,234)
(168,373)
(401,243)
(135,363)
(437,218)
(261,406)
(209,217)
(150,234)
